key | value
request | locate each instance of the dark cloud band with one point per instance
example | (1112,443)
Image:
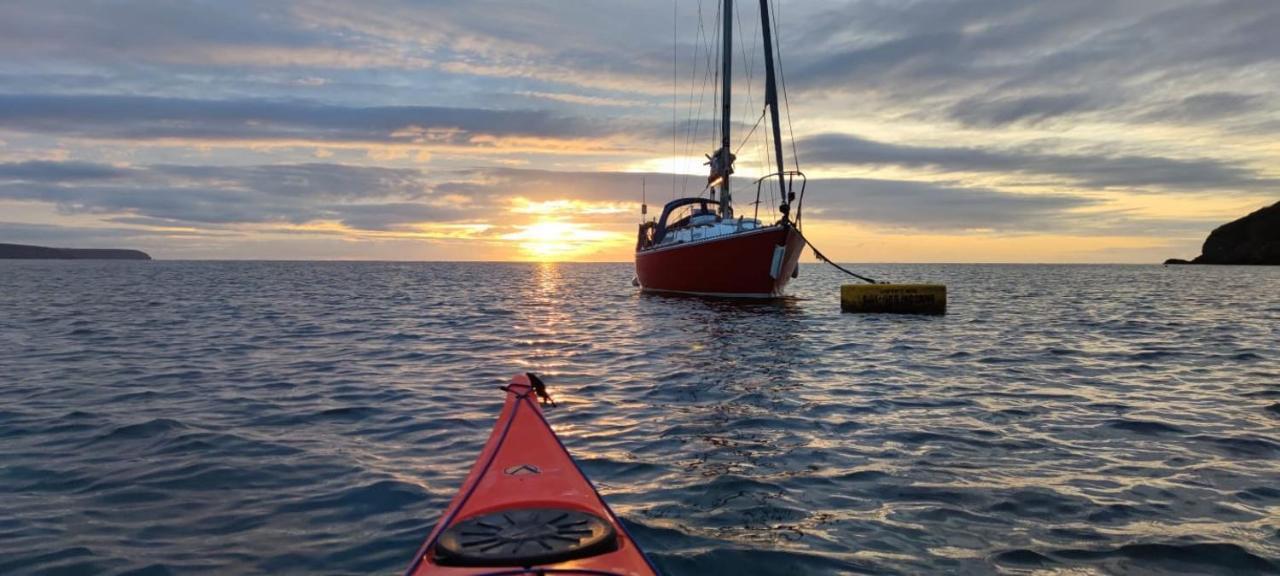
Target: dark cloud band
(1132,172)
(150,118)
(377,199)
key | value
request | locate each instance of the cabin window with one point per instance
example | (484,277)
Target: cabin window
(680,216)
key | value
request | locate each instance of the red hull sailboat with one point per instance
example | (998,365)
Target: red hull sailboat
(697,246)
(755,262)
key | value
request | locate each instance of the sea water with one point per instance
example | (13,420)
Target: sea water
(315,418)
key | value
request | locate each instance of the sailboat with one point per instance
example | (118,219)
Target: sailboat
(697,245)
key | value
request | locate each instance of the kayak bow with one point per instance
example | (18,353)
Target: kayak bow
(526,508)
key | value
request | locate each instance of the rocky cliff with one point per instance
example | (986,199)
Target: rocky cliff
(1254,239)
(41,252)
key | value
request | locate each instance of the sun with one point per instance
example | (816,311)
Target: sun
(559,240)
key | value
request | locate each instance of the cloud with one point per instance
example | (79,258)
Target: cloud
(362,197)
(149,32)
(887,203)
(531,184)
(42,171)
(313,180)
(379,199)
(605,45)
(990,63)
(150,118)
(582,99)
(1205,107)
(78,236)
(979,111)
(1090,170)
(396,215)
(939,207)
(192,114)
(152,203)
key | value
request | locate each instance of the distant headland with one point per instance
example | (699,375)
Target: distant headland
(21,251)
(1254,239)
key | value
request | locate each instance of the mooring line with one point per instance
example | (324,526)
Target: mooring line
(823,258)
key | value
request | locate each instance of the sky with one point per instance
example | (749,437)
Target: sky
(930,130)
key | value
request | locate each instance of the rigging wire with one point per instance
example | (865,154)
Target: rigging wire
(749,58)
(765,160)
(707,51)
(693,76)
(773,201)
(694,123)
(775,9)
(712,73)
(715,82)
(747,138)
(675,89)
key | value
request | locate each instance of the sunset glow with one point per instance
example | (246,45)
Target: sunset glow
(553,207)
(559,241)
(481,131)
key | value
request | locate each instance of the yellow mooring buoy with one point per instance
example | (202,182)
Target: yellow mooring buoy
(894,298)
(875,297)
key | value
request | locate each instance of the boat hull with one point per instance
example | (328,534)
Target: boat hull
(524,470)
(740,265)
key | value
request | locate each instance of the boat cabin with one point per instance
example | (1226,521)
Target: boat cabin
(689,219)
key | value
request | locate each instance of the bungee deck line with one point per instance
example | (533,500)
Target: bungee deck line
(555,480)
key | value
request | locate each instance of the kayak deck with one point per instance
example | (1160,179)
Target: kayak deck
(526,508)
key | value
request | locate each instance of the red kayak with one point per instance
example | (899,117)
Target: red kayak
(526,507)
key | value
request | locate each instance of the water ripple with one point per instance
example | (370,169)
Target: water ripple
(184,418)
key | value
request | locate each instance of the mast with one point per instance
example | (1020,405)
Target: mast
(726,156)
(771,100)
